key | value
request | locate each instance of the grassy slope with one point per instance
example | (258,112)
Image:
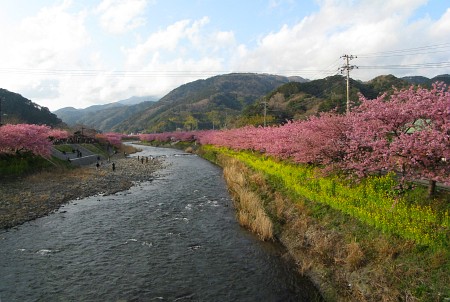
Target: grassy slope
(349,260)
(18,165)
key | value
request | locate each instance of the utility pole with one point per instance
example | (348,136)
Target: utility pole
(348,67)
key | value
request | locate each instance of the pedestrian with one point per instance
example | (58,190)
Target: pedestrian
(138,157)
(97,165)
(114,166)
(146,159)
(142,159)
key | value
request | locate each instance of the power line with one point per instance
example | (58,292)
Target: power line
(408,66)
(152,73)
(311,72)
(436,48)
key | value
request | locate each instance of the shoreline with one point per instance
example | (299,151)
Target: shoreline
(345,259)
(40,194)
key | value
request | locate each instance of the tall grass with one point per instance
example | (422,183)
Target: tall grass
(250,211)
(372,201)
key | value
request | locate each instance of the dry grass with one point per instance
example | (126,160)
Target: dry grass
(347,261)
(250,210)
(258,180)
(355,255)
(127,149)
(439,259)
(280,205)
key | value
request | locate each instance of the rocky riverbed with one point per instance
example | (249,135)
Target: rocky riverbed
(37,195)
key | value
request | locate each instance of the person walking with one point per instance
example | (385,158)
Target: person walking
(114,166)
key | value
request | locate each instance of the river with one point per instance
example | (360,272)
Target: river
(173,239)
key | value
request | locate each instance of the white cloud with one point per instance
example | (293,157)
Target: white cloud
(441,29)
(181,39)
(53,40)
(344,27)
(51,37)
(277,4)
(183,51)
(46,51)
(119,16)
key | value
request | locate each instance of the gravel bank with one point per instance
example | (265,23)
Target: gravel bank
(40,194)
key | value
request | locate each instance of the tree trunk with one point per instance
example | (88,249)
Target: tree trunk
(431,188)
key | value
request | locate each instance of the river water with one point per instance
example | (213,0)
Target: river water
(172,239)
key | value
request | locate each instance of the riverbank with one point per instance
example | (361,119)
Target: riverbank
(37,195)
(346,259)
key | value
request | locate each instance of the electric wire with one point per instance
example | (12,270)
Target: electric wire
(310,72)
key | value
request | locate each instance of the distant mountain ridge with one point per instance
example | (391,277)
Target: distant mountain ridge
(104,117)
(134,100)
(236,100)
(230,100)
(16,109)
(203,104)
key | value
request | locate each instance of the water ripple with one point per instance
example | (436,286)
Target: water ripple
(172,239)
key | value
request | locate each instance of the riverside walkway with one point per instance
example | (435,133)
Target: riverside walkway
(87,157)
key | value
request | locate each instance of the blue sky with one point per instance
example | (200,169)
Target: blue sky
(78,53)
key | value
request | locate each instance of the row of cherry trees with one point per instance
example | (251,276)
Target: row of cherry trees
(407,132)
(38,139)
(29,138)
(113,138)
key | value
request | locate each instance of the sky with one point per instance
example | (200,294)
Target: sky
(78,53)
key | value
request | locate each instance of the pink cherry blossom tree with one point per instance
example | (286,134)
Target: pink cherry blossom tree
(57,134)
(25,137)
(113,138)
(408,133)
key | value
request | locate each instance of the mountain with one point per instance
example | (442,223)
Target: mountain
(204,104)
(15,109)
(134,100)
(441,78)
(295,100)
(104,117)
(416,80)
(424,81)
(235,100)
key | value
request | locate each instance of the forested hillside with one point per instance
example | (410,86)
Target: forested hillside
(15,109)
(204,104)
(105,117)
(294,101)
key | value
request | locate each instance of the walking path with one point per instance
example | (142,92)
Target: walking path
(87,156)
